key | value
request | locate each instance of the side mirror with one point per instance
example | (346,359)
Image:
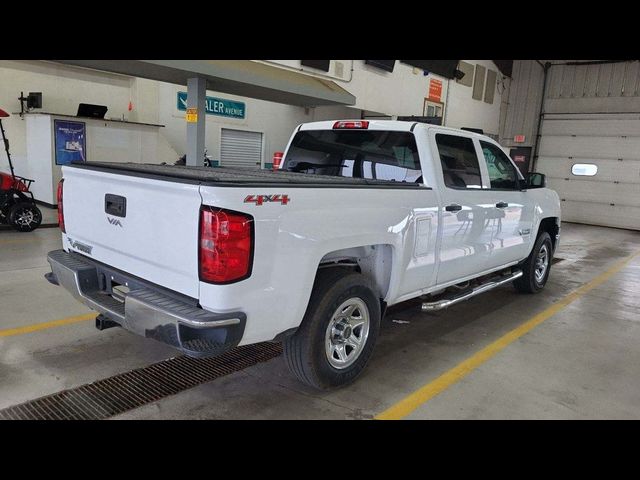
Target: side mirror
(536,180)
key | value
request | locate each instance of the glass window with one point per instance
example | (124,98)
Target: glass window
(374,154)
(459,161)
(588,169)
(502,173)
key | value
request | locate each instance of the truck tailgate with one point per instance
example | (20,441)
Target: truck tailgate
(155,237)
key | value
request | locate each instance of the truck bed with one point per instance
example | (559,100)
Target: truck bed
(237,177)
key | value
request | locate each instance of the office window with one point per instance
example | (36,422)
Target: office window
(585,169)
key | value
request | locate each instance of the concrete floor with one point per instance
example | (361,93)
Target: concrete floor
(583,362)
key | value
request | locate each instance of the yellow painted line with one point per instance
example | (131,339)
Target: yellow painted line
(410,403)
(10,332)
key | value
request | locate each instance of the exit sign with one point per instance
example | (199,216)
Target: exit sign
(518,139)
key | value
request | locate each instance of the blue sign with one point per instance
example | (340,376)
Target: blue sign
(216,106)
(70,141)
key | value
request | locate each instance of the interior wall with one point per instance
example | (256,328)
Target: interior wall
(276,121)
(522,109)
(401,92)
(63,88)
(464,111)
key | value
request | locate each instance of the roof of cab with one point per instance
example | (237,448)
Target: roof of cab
(394,125)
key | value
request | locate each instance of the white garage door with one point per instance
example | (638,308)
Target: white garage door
(239,148)
(593,162)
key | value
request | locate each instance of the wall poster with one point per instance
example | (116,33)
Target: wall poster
(70,141)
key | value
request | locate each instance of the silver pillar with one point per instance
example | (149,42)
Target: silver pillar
(196,93)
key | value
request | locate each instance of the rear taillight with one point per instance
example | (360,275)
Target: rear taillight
(363,124)
(226,245)
(60,207)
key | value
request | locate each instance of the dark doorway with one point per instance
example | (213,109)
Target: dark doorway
(522,157)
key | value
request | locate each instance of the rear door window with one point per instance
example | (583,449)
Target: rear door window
(460,166)
(373,154)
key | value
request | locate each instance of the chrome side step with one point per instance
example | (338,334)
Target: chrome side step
(485,287)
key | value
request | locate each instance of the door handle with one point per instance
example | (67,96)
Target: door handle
(454,207)
(502,205)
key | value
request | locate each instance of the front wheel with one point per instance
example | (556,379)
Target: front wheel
(25,216)
(535,270)
(338,333)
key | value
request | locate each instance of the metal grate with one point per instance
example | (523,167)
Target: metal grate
(114,395)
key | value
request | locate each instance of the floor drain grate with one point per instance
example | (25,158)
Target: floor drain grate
(114,395)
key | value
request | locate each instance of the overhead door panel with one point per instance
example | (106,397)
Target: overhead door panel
(592,125)
(592,146)
(620,216)
(593,191)
(611,197)
(609,170)
(240,148)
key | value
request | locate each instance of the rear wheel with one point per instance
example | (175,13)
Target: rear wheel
(25,216)
(535,270)
(338,333)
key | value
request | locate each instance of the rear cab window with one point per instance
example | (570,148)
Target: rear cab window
(371,154)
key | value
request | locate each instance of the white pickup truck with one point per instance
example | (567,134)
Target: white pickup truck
(361,215)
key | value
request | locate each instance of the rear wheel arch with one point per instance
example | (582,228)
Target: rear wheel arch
(374,261)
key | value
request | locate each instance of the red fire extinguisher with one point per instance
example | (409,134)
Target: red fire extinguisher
(277,160)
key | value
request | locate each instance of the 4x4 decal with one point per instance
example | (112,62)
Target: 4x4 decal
(260,199)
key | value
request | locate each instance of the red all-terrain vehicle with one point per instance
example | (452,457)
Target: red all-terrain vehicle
(17,205)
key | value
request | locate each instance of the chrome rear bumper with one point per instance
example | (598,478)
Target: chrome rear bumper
(147,310)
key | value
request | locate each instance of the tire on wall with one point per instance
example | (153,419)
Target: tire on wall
(535,270)
(338,332)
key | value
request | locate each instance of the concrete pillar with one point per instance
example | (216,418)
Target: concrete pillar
(196,94)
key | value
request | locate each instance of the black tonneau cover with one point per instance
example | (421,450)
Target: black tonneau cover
(238,177)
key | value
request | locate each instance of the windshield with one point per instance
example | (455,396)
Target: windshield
(373,154)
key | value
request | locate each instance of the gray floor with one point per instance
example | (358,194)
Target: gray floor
(584,362)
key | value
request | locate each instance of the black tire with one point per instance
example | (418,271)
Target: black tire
(25,216)
(305,351)
(529,282)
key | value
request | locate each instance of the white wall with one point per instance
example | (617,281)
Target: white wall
(275,120)
(401,92)
(62,89)
(464,111)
